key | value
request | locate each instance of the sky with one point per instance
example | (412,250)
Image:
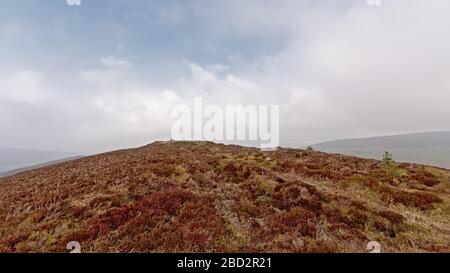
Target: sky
(105,75)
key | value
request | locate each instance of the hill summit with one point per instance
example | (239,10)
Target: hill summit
(206,197)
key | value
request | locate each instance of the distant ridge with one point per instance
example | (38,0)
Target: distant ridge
(431,148)
(12,159)
(37,166)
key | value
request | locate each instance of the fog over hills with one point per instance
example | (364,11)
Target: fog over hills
(11,159)
(432,148)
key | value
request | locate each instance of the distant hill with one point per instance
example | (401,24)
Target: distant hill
(12,159)
(426,148)
(34,167)
(206,197)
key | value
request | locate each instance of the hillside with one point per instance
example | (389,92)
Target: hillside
(431,148)
(205,197)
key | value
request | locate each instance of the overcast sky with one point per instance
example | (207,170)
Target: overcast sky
(106,74)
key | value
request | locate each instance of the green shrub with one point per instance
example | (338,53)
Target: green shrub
(391,168)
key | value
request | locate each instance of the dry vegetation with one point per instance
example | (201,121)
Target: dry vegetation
(205,197)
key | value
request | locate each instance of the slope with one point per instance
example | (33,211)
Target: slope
(206,197)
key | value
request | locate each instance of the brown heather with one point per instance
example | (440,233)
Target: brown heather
(205,197)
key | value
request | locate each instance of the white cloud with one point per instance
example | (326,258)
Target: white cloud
(368,70)
(170,95)
(342,69)
(24,86)
(103,111)
(114,62)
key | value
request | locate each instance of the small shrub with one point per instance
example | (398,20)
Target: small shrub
(391,168)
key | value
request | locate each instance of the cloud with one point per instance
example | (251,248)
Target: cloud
(336,68)
(104,110)
(23,86)
(114,62)
(351,70)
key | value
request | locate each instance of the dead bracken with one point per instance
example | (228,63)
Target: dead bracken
(206,197)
